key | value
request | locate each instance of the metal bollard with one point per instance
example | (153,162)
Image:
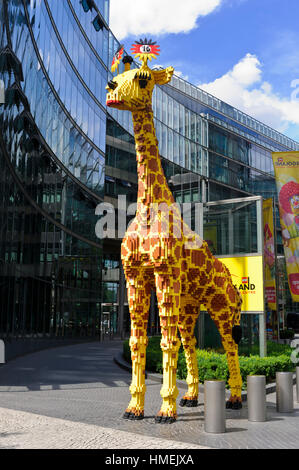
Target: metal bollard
(297,382)
(284,392)
(256,398)
(214,396)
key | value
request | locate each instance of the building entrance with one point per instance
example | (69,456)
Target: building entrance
(109,319)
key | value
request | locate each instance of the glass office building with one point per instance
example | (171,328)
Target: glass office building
(62,153)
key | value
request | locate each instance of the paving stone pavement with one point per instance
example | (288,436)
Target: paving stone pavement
(75,396)
(22,430)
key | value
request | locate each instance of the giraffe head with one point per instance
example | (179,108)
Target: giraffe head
(132,90)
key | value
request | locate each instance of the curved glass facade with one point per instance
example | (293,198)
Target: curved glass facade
(52,146)
(62,153)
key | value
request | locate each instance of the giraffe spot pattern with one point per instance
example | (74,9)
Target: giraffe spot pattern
(183,278)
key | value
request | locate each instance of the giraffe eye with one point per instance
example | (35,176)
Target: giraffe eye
(143,82)
(112,85)
(143,79)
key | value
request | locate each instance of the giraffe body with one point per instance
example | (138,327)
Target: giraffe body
(160,252)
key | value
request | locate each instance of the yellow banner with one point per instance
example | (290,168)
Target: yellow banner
(269,253)
(247,276)
(210,236)
(286,167)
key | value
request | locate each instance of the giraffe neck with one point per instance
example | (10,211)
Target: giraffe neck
(152,184)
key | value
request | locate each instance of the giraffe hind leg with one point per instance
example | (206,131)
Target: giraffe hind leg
(235,380)
(235,400)
(229,338)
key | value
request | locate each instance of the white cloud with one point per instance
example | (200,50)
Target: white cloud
(177,72)
(181,74)
(243,87)
(157,16)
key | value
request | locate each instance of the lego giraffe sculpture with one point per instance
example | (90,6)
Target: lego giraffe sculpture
(159,251)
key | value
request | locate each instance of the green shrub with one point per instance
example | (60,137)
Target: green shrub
(153,354)
(273,349)
(213,365)
(276,349)
(287,334)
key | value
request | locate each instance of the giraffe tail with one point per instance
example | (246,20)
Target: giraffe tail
(236,329)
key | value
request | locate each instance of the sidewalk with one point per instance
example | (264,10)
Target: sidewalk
(19,430)
(75,396)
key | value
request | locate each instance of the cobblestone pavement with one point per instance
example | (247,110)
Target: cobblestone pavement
(22,430)
(75,396)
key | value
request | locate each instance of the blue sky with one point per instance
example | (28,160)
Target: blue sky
(245,52)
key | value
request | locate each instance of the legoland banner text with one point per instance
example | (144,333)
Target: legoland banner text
(286,166)
(247,276)
(269,253)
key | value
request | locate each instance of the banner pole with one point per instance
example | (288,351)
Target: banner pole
(260,244)
(276,271)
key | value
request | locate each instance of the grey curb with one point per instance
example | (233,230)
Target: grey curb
(121,362)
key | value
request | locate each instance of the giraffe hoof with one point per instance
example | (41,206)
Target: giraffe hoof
(133,416)
(237,405)
(165,419)
(158,419)
(190,403)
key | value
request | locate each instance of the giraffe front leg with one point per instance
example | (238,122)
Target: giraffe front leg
(187,322)
(137,388)
(139,303)
(168,296)
(170,346)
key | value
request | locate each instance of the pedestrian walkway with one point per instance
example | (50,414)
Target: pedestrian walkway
(20,430)
(75,396)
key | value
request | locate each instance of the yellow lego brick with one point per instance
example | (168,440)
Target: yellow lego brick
(159,251)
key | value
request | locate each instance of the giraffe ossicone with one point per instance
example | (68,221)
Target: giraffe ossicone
(160,252)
